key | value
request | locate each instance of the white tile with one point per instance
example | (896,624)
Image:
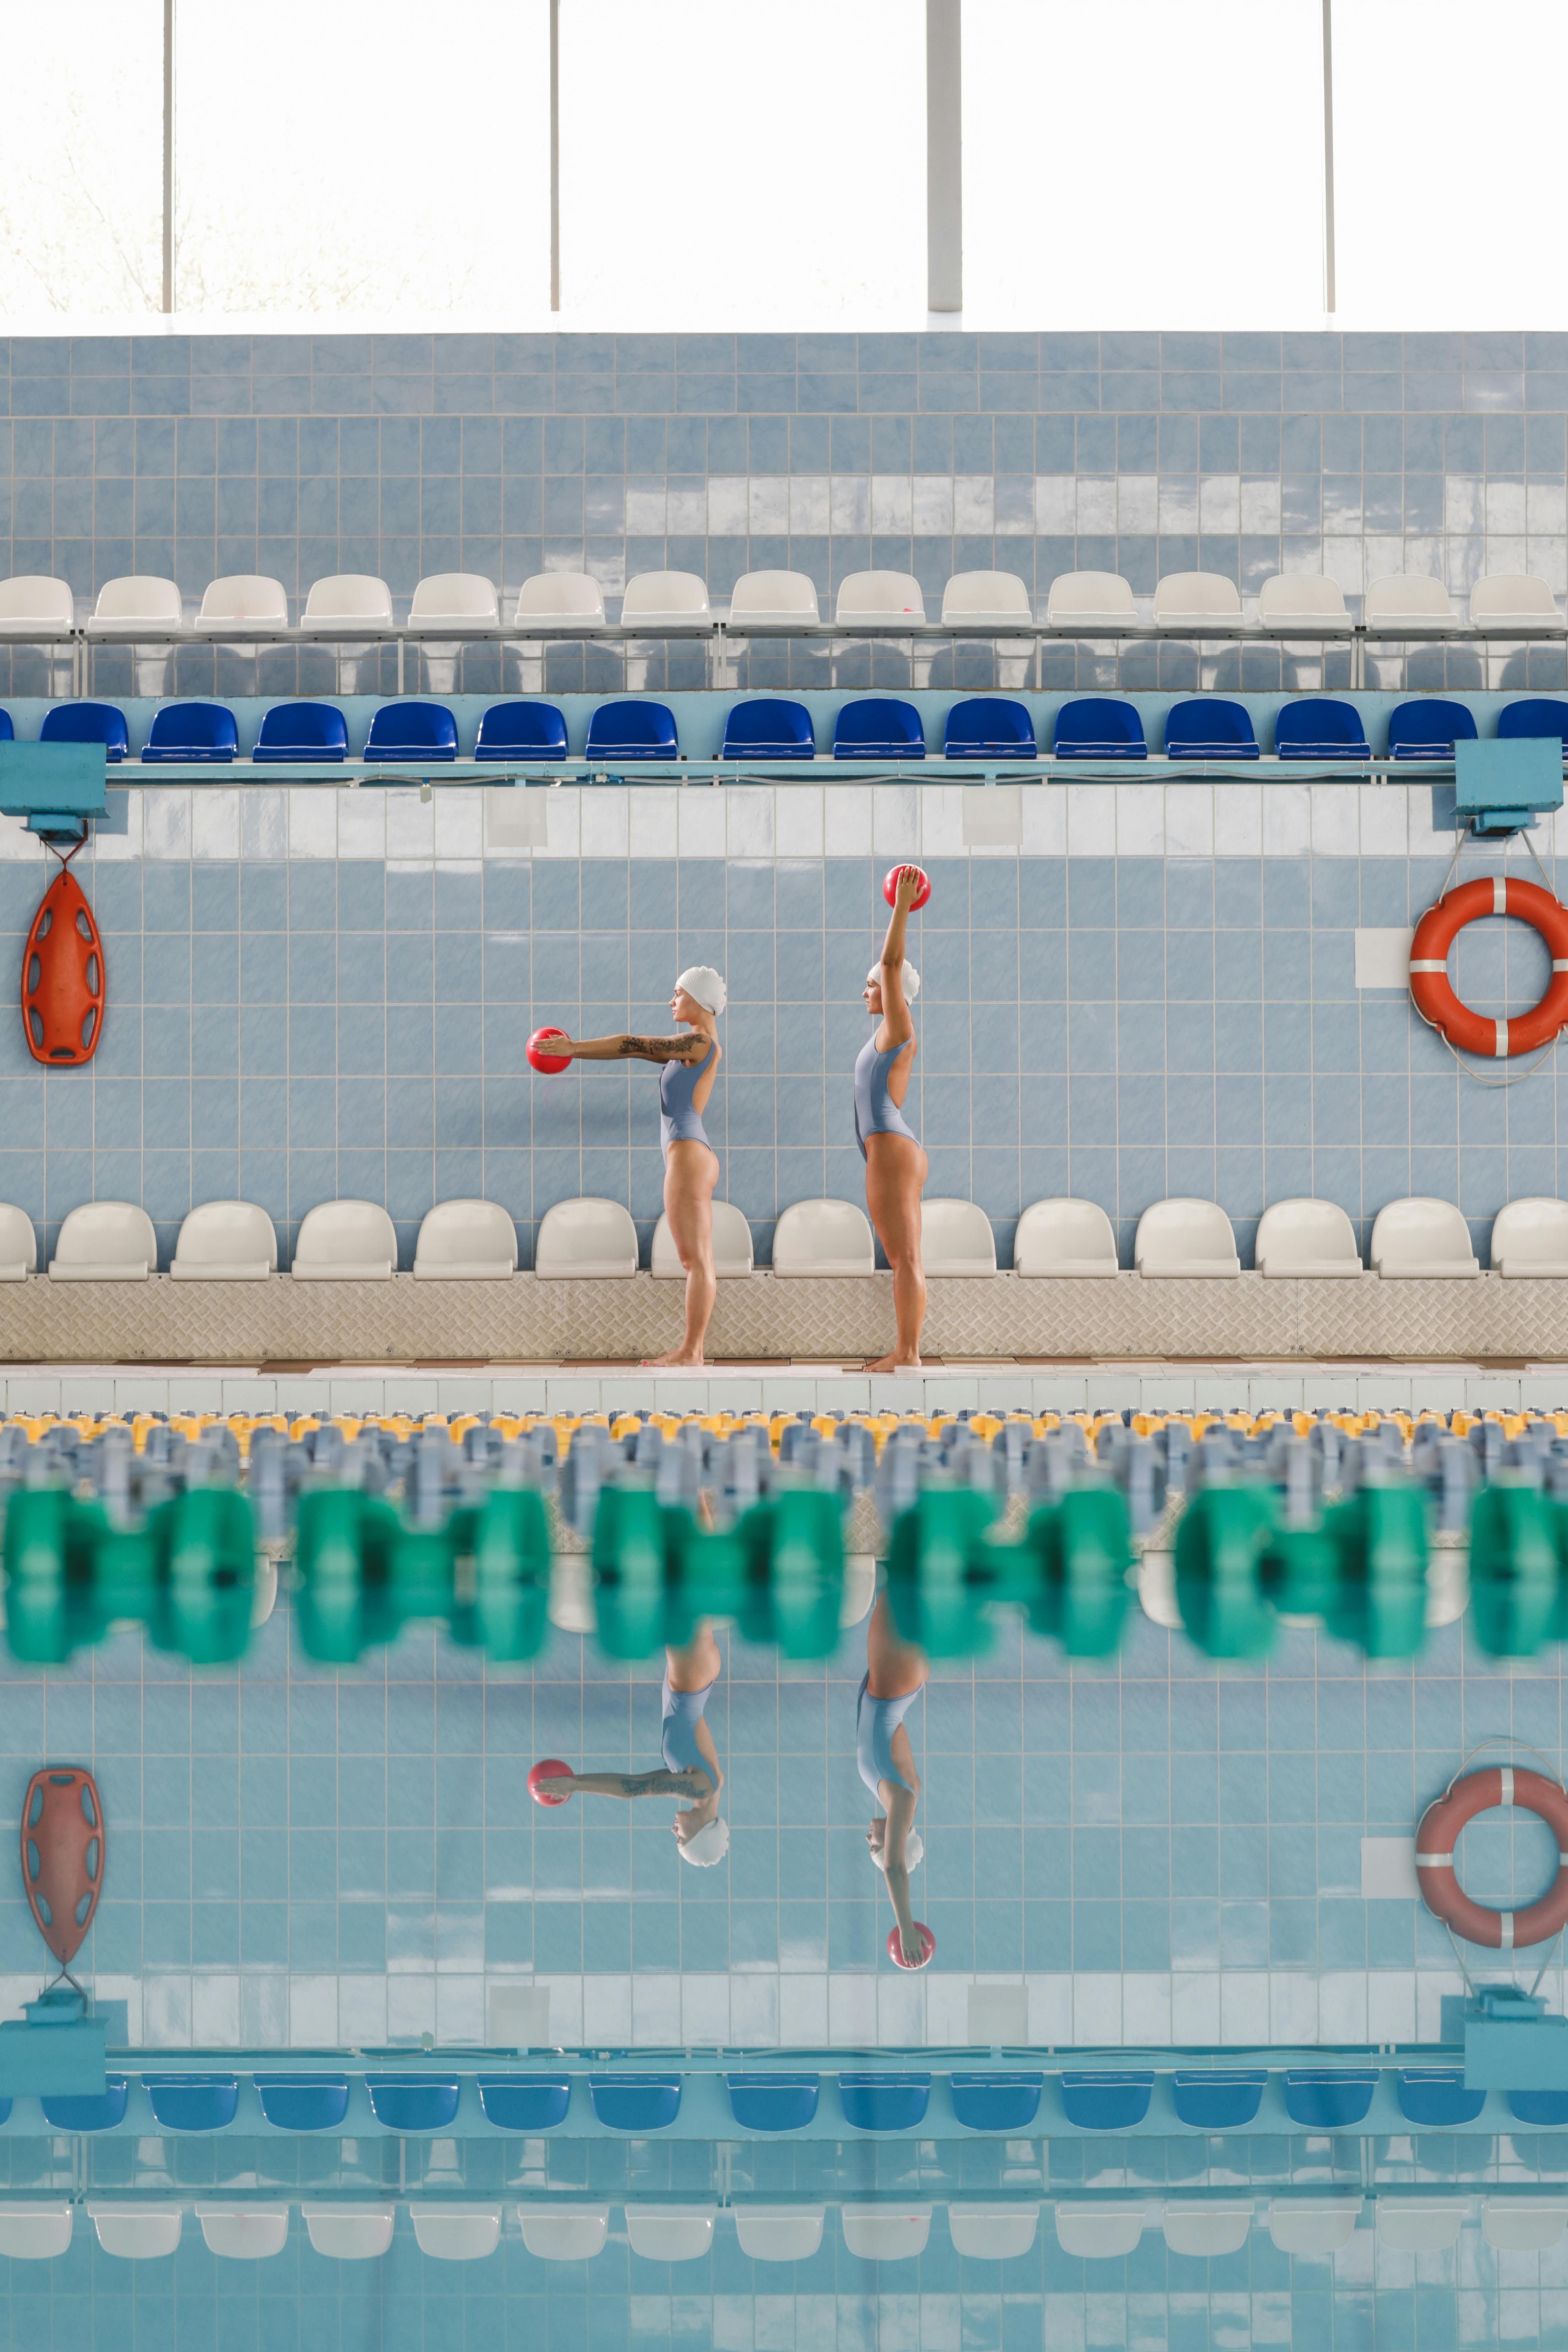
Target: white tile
(1044,820)
(851,2011)
(1391,2004)
(215,2012)
(749,819)
(1427,840)
(896,824)
(727,504)
(755,2007)
(1238,819)
(700,820)
(105,1989)
(361,822)
(119,837)
(1287,820)
(768,504)
(608,2014)
(849,502)
(312,2012)
(1050,2010)
(1382,957)
(1384,820)
(167,820)
(803,2011)
(361,2011)
(567,2009)
(24,848)
(1189,820)
(606,821)
(1219,502)
(799,819)
(808,504)
(1138,502)
(1055,506)
(1243,2005)
(704,2008)
(973,507)
(215,821)
(1388,1869)
(1194,2007)
(1342,2005)
(1293,2006)
(167,2011)
(940,814)
(1336,820)
(410,823)
(653,829)
(460,821)
(1095,2008)
(901,2010)
(948,1997)
(846,821)
(263,822)
(1140,820)
(1146,2007)
(410,2005)
(460,2008)
(312,822)
(563,820)
(1091,819)
(892,503)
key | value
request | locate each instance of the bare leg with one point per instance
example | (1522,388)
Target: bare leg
(895,1172)
(691,1173)
(892,1665)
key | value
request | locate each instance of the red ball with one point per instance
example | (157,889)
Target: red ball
(549,1767)
(896,1949)
(540,1060)
(889,888)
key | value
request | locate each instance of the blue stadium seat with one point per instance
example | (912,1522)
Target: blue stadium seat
(7,732)
(878,728)
(633,730)
(189,731)
(1429,729)
(302,730)
(412,730)
(521,731)
(1319,727)
(1095,728)
(1207,727)
(989,723)
(768,728)
(1539,714)
(87,723)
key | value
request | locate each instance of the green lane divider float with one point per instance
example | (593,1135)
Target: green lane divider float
(1067,1571)
(362,1573)
(188,1575)
(778,1572)
(1360,1568)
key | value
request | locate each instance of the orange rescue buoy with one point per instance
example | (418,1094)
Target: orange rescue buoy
(63,976)
(62,1855)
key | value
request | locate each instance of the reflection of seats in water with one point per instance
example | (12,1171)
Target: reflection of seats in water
(1422,1238)
(823,1237)
(105,1241)
(1423,2226)
(1185,1236)
(226,1241)
(1102,2232)
(1315,2225)
(1064,1237)
(349,2233)
(456,2233)
(1306,1237)
(956,1238)
(586,1240)
(466,1241)
(779,2233)
(670,2233)
(885,2233)
(1206,2229)
(345,1241)
(564,2233)
(991,2233)
(731,1245)
(246,2233)
(135,2233)
(1529,1236)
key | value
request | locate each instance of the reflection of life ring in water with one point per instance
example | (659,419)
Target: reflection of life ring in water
(1478,1792)
(62,1855)
(63,976)
(1433,994)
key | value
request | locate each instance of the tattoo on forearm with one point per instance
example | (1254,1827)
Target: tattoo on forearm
(658,1049)
(642,1784)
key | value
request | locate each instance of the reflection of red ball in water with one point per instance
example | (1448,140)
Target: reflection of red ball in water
(891,887)
(540,1060)
(549,1767)
(896,1949)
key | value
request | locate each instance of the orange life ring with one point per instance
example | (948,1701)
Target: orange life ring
(1435,1840)
(1435,935)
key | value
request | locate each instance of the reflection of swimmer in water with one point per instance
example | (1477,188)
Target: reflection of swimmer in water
(895,1676)
(692,1761)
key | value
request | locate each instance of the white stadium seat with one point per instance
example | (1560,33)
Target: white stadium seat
(243,602)
(105,1241)
(1184,1237)
(466,1241)
(986,600)
(18,1244)
(660,600)
(244,2234)
(1306,1237)
(1503,602)
(1302,605)
(1424,2225)
(587,1240)
(956,1238)
(35,2231)
(136,2233)
(779,2233)
(1313,2225)
(1422,1238)
(564,2233)
(823,1237)
(1406,603)
(877,599)
(137,605)
(32,601)
(1080,601)
(1521,2225)
(449,598)
(1191,600)
(226,1241)
(731,1245)
(1529,1236)
(1101,2233)
(335,606)
(885,2233)
(670,2233)
(993,2234)
(774,600)
(456,2233)
(555,599)
(1064,1237)
(1207,2230)
(345,1241)
(349,2233)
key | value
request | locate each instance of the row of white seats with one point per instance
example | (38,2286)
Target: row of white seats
(141,607)
(588,1240)
(1107,2231)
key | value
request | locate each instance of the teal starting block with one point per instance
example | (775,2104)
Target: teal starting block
(1500,785)
(55,787)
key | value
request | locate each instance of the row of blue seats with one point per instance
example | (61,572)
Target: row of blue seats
(1094,727)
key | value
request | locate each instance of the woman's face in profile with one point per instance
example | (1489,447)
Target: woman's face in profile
(875,1836)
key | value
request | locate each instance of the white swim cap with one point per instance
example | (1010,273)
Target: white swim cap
(911,981)
(712,1841)
(913,1849)
(705,986)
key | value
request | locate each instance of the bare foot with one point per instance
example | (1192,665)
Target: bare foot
(676,1359)
(894,1363)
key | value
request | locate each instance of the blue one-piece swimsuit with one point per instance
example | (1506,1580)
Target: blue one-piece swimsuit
(683,1711)
(876,1112)
(679,1120)
(875,1720)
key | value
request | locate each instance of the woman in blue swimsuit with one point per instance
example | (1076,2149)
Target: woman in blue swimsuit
(895,1164)
(894,1678)
(692,1761)
(691,1163)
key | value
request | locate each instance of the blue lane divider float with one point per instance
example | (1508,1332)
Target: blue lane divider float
(413,2103)
(1320,2101)
(524,2103)
(885,2103)
(1435,2097)
(772,2102)
(192,2103)
(303,2103)
(1218,2100)
(1106,2102)
(636,2103)
(996,2103)
(90,2115)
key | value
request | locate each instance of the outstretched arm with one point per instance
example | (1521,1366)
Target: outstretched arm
(690,1047)
(627,1784)
(896,1020)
